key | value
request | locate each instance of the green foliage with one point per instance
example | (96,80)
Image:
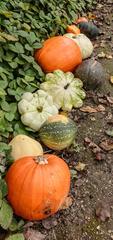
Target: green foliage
(18,236)
(24,24)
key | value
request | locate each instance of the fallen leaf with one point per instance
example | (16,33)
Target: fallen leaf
(88,109)
(109,56)
(103,211)
(111,79)
(99,108)
(91,16)
(64,113)
(67,203)
(101,100)
(28,224)
(73,173)
(103,43)
(32,234)
(101,55)
(80,166)
(100,156)
(95,148)
(49,223)
(106,145)
(110,99)
(109,132)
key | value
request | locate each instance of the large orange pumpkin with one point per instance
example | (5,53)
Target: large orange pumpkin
(37,186)
(58,53)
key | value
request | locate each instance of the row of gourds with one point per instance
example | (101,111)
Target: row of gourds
(58,57)
(39,183)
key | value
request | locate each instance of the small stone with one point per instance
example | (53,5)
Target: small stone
(98,227)
(101,55)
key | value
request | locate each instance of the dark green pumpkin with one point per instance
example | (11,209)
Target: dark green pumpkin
(89,29)
(58,132)
(92,73)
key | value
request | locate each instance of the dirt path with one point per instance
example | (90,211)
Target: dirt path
(95,183)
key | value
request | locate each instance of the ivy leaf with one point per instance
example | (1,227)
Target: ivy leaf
(6,215)
(17,236)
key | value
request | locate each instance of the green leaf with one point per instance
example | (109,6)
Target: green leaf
(2,39)
(37,45)
(22,33)
(2,92)
(8,37)
(3,147)
(9,116)
(3,188)
(31,38)
(17,236)
(14,225)
(24,6)
(3,84)
(0,194)
(29,78)
(28,47)
(19,47)
(5,106)
(13,107)
(29,59)
(6,215)
(13,64)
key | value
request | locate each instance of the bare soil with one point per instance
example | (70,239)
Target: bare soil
(95,182)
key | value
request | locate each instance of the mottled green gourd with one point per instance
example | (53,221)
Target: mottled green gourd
(58,132)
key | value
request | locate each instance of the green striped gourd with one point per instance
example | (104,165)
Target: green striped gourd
(58,132)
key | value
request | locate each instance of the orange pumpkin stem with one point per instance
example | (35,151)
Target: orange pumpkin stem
(41,160)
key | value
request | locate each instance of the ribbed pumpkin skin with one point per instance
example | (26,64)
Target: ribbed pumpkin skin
(37,191)
(58,53)
(58,132)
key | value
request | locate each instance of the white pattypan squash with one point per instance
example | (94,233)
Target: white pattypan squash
(35,108)
(83,42)
(65,89)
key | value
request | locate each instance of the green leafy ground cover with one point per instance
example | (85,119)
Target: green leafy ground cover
(23,27)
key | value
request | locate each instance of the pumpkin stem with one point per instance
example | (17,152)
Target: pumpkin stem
(41,160)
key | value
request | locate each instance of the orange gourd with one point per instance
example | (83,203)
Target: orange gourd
(73,29)
(81,19)
(58,53)
(37,186)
